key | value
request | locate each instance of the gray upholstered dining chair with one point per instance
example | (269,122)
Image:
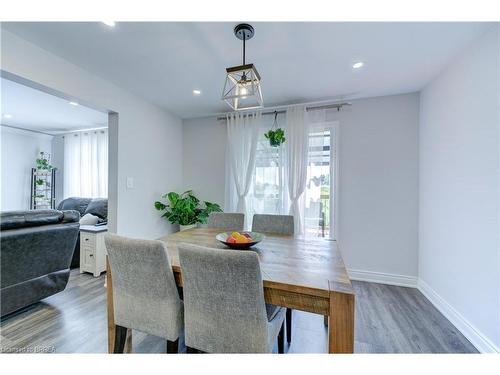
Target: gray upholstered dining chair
(234,221)
(225,310)
(277,224)
(145,294)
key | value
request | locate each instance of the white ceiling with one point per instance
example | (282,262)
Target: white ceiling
(36,110)
(299,62)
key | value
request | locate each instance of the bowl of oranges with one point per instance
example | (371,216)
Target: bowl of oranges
(240,240)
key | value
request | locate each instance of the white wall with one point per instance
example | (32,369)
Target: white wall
(379,187)
(204,158)
(58,162)
(20,149)
(378,181)
(459,190)
(149,138)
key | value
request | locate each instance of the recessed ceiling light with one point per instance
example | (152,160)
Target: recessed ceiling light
(358,65)
(7,115)
(73,103)
(109,23)
(197,92)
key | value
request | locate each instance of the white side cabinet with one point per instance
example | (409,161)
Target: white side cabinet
(92,249)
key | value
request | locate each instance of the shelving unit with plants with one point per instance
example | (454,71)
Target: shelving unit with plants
(43,179)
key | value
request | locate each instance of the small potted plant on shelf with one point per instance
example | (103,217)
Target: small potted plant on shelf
(185,209)
(276,135)
(43,164)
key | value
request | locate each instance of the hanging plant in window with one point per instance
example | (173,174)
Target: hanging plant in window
(276,135)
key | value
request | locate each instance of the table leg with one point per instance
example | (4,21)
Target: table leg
(341,323)
(111,315)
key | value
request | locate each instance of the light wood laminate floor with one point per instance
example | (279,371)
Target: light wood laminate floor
(389,319)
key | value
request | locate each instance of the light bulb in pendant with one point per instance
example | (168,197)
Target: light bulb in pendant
(243,91)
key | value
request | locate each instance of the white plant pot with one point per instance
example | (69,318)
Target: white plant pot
(43,172)
(186,227)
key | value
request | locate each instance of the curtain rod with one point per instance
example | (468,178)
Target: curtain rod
(338,106)
(86,130)
(83,131)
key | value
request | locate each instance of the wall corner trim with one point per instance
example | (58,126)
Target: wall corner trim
(382,278)
(476,337)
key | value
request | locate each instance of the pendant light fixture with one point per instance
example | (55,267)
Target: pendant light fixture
(242,87)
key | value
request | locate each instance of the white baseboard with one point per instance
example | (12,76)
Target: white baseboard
(383,278)
(476,337)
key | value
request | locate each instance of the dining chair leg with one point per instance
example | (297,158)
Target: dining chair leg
(281,339)
(180,290)
(288,325)
(120,338)
(173,347)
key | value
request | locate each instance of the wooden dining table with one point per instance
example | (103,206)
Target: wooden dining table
(306,274)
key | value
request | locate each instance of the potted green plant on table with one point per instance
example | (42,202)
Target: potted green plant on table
(186,209)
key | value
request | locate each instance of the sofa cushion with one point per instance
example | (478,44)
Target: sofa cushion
(13,219)
(74,203)
(71,216)
(22,219)
(98,207)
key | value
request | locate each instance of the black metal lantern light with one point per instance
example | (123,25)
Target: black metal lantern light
(242,88)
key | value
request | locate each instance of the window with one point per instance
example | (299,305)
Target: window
(269,191)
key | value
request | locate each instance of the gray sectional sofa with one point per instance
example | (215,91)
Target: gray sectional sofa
(36,251)
(95,206)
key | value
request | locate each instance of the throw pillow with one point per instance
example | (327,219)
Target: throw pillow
(89,219)
(74,203)
(98,207)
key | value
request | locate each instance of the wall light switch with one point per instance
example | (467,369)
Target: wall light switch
(130,182)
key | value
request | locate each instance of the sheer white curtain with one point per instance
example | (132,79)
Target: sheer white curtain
(86,164)
(297,139)
(242,135)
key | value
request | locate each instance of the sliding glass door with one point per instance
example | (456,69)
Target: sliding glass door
(269,191)
(317,195)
